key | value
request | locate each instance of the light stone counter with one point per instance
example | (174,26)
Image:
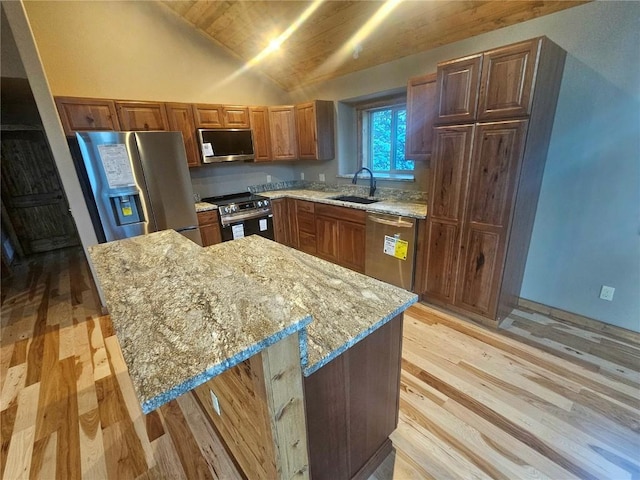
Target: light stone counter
(388,206)
(184,314)
(205,207)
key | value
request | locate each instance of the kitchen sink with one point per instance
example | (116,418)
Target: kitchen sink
(355,199)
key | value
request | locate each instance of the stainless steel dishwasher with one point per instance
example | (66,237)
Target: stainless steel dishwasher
(390,249)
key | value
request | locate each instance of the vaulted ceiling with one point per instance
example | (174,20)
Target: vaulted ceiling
(326,39)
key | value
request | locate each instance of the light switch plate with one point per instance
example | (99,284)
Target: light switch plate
(321,176)
(268,178)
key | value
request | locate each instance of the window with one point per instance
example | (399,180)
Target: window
(383,131)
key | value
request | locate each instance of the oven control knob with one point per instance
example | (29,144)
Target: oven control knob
(265,203)
(234,208)
(225,209)
(259,203)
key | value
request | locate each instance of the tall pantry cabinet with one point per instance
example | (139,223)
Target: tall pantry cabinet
(495,113)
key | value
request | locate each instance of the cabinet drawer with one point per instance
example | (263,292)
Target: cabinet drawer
(306,222)
(304,206)
(208,217)
(307,242)
(342,213)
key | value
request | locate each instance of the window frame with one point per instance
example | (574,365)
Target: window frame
(363,111)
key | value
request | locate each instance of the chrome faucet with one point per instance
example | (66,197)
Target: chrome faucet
(372,181)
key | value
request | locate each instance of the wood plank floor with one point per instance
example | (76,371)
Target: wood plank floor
(541,399)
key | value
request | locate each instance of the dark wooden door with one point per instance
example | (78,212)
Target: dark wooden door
(32,193)
(451,157)
(494,171)
(281,217)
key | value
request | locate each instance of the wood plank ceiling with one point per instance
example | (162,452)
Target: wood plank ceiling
(325,45)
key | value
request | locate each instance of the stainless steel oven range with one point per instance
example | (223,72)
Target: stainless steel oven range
(243,214)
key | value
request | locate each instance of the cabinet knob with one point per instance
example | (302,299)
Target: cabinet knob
(146,126)
(90,119)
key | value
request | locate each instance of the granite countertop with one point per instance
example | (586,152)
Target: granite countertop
(389,206)
(205,207)
(184,314)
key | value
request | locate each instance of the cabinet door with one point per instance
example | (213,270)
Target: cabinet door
(235,117)
(351,245)
(282,124)
(280,220)
(209,227)
(450,164)
(87,114)
(306,131)
(495,167)
(421,114)
(208,116)
(180,116)
(142,116)
(261,135)
(458,83)
(507,80)
(327,238)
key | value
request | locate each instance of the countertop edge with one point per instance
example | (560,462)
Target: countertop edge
(369,208)
(310,369)
(215,370)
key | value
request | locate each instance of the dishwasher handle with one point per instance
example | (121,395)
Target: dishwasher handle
(392,223)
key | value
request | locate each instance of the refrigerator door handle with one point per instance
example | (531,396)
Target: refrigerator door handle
(399,223)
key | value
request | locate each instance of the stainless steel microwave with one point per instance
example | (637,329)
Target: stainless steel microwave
(226,145)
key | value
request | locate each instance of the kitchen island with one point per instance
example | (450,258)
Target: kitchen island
(283,350)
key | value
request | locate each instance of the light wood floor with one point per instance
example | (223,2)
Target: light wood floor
(541,399)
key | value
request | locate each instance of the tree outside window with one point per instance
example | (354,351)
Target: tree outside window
(384,131)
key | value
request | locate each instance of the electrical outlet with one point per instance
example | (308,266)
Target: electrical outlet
(301,175)
(606,293)
(268,178)
(215,403)
(321,176)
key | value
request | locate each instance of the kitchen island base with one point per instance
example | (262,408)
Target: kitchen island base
(351,406)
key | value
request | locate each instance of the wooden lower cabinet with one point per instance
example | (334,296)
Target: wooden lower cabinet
(350,404)
(281,228)
(303,231)
(209,224)
(340,233)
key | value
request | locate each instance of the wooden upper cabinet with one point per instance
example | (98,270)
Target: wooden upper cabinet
(458,84)
(235,117)
(221,116)
(507,81)
(180,117)
(87,114)
(142,116)
(282,125)
(421,115)
(259,117)
(208,116)
(315,132)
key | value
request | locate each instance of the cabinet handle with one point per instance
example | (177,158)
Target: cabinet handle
(146,126)
(89,119)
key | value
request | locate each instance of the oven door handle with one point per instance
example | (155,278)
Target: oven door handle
(227,221)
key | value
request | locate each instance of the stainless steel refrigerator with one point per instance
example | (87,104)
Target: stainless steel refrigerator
(139,182)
